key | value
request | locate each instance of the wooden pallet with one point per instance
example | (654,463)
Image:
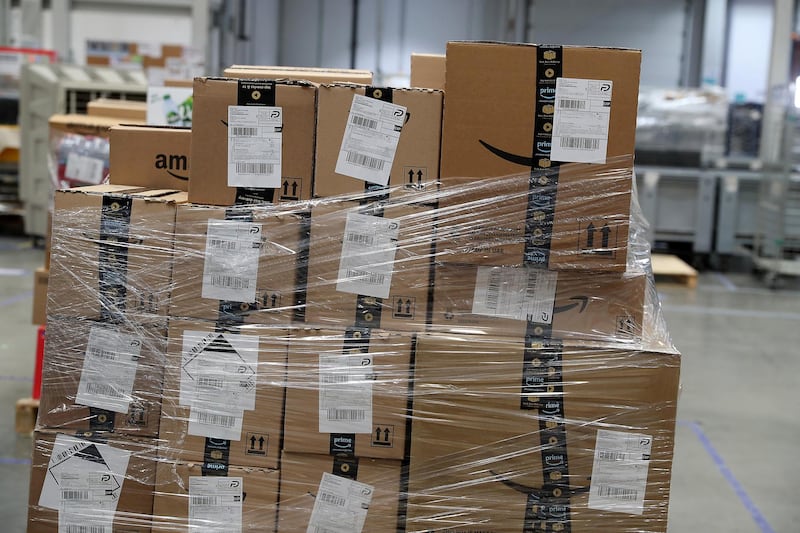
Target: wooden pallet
(27,410)
(673,268)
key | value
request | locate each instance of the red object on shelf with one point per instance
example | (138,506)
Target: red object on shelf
(37,372)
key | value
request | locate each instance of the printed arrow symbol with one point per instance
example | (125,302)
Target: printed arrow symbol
(286,187)
(419,176)
(590,235)
(583,301)
(252,443)
(411,176)
(606,231)
(294,188)
(261,443)
(508,156)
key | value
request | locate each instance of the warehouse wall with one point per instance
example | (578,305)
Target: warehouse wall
(749,42)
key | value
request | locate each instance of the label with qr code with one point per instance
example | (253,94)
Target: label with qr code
(109,369)
(345,393)
(255,145)
(619,472)
(370,139)
(340,505)
(215,504)
(230,270)
(369,245)
(516,293)
(580,120)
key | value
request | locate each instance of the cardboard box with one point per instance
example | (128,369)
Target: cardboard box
(40,277)
(215,279)
(212,97)
(172,502)
(118,109)
(427,70)
(314,75)
(501,81)
(493,413)
(346,393)
(131,464)
(102,377)
(112,252)
(302,479)
(96,124)
(602,307)
(203,382)
(416,160)
(353,277)
(156,157)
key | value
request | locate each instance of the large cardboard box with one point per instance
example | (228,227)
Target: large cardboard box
(368,489)
(369,265)
(244,264)
(415,163)
(40,277)
(427,70)
(347,393)
(312,74)
(130,110)
(187,496)
(223,394)
(602,307)
(563,120)
(156,157)
(102,377)
(552,437)
(112,252)
(212,97)
(89,472)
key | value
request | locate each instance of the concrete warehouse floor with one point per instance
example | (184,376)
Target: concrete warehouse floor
(736,467)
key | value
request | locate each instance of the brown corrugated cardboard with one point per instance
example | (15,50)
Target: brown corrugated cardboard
(85,124)
(368,419)
(604,307)
(40,277)
(416,160)
(272,294)
(301,476)
(119,109)
(95,453)
(156,157)
(212,96)
(488,132)
(315,75)
(258,441)
(427,70)
(488,414)
(172,500)
(90,370)
(406,306)
(92,275)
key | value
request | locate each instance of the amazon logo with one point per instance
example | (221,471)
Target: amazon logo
(172,164)
(581,301)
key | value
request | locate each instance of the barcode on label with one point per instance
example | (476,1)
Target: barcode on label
(322,529)
(364,122)
(493,290)
(77,528)
(71,494)
(100,353)
(346,414)
(360,238)
(332,499)
(243,131)
(372,278)
(580,143)
(210,383)
(611,456)
(363,160)
(205,500)
(213,419)
(619,493)
(565,103)
(255,168)
(221,244)
(103,389)
(234,282)
(335,378)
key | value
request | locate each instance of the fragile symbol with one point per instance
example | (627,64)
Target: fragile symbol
(290,189)
(383,436)
(256,444)
(404,307)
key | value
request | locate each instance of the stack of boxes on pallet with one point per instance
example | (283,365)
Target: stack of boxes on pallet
(343,329)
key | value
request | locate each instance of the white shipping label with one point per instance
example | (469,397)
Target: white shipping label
(580,120)
(370,139)
(84,168)
(215,504)
(345,393)
(619,472)
(367,261)
(88,500)
(230,270)
(255,144)
(86,468)
(340,506)
(516,293)
(215,423)
(109,370)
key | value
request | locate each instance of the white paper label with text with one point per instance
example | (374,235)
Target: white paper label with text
(516,293)
(340,505)
(255,145)
(619,472)
(109,370)
(345,393)
(215,504)
(232,252)
(580,120)
(368,250)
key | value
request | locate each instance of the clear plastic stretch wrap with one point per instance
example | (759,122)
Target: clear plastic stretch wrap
(460,357)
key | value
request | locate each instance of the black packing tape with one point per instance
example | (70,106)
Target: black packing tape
(253,196)
(115,220)
(301,272)
(233,313)
(346,467)
(385,94)
(257,93)
(101,419)
(216,457)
